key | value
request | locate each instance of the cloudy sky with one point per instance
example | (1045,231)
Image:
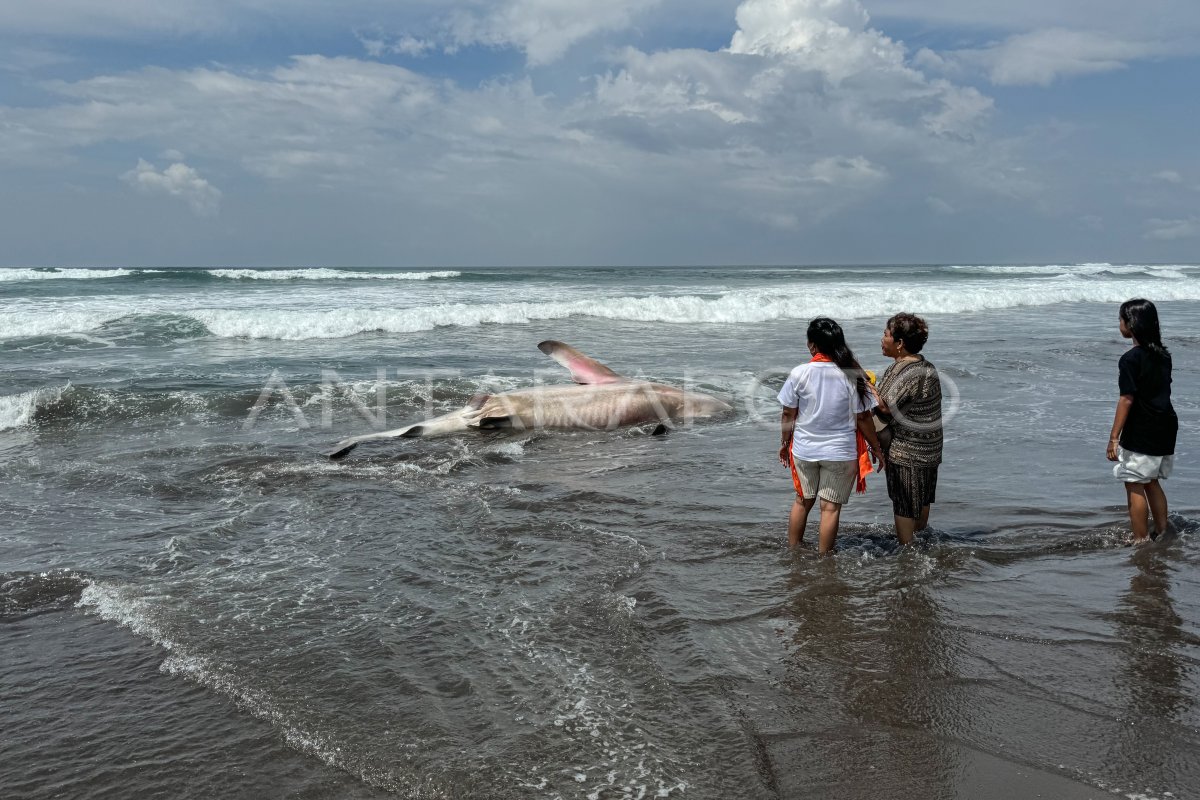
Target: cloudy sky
(497,132)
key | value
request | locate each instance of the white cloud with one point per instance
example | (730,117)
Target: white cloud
(830,36)
(1044,56)
(1035,42)
(378,44)
(1145,19)
(543,29)
(791,114)
(1172,229)
(1168,176)
(793,78)
(177,180)
(807,111)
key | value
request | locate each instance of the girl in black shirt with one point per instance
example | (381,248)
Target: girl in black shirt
(1145,426)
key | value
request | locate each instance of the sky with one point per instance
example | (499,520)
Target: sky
(580,132)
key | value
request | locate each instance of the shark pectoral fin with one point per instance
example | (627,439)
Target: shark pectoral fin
(477,400)
(342,450)
(583,369)
(660,429)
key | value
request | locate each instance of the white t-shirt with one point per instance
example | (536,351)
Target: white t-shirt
(828,403)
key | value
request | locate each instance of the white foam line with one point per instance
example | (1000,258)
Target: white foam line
(26,274)
(298,322)
(743,306)
(327,274)
(115,605)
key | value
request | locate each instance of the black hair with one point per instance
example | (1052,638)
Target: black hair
(909,329)
(1141,317)
(827,336)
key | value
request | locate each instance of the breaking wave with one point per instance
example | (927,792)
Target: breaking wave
(31,324)
(18,410)
(721,305)
(37,274)
(1167,271)
(23,593)
(11,275)
(748,306)
(325,274)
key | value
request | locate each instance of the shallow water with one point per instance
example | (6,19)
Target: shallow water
(194,606)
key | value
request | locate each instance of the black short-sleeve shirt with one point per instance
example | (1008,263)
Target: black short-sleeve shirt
(1152,426)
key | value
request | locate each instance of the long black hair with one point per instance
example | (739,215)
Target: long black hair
(827,336)
(1141,317)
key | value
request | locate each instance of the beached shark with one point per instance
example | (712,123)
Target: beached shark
(600,400)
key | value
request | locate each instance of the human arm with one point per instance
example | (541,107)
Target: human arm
(881,405)
(787,425)
(867,428)
(1124,405)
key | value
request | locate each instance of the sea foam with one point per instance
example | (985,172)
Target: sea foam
(1169,271)
(314,274)
(735,307)
(18,410)
(836,298)
(26,274)
(23,324)
(327,274)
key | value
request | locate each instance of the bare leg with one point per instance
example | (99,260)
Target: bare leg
(831,515)
(905,528)
(798,519)
(1139,511)
(1157,500)
(923,522)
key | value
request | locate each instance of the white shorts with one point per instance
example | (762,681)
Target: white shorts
(829,480)
(1140,468)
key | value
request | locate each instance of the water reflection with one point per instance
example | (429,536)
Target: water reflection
(1150,630)
(872,655)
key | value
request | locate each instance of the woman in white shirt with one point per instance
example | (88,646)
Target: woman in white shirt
(826,408)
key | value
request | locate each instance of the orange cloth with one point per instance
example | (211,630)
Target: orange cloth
(864,457)
(864,463)
(795,475)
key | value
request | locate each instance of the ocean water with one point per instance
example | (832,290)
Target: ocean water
(195,603)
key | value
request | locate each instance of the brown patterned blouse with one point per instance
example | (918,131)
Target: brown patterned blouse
(913,393)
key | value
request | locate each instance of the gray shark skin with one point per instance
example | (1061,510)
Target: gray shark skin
(600,399)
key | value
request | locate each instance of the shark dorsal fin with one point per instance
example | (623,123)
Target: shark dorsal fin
(583,369)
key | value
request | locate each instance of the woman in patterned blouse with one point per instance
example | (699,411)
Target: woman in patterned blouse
(910,403)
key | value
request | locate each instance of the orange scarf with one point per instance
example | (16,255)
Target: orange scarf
(864,457)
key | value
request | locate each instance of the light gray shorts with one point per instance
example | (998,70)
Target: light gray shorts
(1140,468)
(829,480)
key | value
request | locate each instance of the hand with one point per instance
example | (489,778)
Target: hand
(880,460)
(880,404)
(1113,447)
(784,454)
